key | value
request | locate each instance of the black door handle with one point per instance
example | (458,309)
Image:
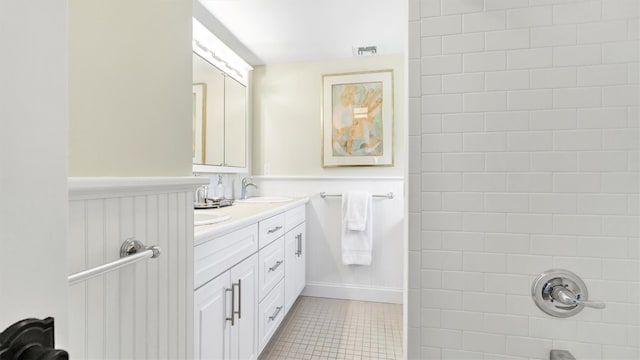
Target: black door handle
(30,339)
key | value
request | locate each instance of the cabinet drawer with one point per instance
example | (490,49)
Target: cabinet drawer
(216,256)
(271,229)
(271,312)
(271,266)
(294,217)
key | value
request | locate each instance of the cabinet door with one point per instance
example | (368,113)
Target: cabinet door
(244,333)
(301,279)
(212,307)
(294,264)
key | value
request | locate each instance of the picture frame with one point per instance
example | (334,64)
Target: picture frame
(357,119)
(199,122)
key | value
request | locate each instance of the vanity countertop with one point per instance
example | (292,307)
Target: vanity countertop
(242,214)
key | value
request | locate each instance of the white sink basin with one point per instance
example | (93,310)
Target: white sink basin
(265,199)
(202,218)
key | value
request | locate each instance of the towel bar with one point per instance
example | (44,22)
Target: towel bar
(131,251)
(387,195)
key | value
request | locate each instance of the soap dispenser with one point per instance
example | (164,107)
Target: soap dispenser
(219,190)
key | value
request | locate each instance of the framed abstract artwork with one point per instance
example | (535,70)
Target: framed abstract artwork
(357,119)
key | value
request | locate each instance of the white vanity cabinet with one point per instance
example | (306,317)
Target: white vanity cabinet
(245,282)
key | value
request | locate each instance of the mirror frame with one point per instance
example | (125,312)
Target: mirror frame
(209,47)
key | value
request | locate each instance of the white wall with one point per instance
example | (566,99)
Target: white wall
(287,116)
(326,275)
(129,88)
(523,157)
(33,163)
(287,156)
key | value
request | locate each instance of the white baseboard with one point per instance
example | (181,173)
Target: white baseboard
(353,292)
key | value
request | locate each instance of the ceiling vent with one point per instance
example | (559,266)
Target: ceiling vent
(365,50)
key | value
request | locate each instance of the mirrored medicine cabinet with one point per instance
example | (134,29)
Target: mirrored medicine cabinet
(219,104)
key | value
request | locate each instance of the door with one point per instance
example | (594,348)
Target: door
(244,333)
(212,307)
(33,163)
(294,265)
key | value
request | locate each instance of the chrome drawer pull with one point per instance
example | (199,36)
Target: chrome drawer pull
(275,314)
(274,267)
(274,229)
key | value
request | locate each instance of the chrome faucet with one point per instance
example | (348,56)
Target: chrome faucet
(246,182)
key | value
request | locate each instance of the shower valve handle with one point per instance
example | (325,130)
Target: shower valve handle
(562,293)
(567,297)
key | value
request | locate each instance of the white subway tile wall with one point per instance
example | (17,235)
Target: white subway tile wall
(524,156)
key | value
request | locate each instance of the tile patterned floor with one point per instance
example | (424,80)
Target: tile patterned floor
(320,328)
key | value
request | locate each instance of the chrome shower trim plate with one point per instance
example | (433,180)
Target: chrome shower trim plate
(543,285)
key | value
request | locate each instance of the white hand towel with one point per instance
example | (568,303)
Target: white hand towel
(357,214)
(355,209)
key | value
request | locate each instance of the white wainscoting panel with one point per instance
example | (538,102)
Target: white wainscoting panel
(140,311)
(382,281)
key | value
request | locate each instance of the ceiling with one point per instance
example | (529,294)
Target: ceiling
(279,31)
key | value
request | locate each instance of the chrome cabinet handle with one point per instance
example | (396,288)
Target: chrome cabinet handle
(275,313)
(299,244)
(239,285)
(274,267)
(271,231)
(233,299)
